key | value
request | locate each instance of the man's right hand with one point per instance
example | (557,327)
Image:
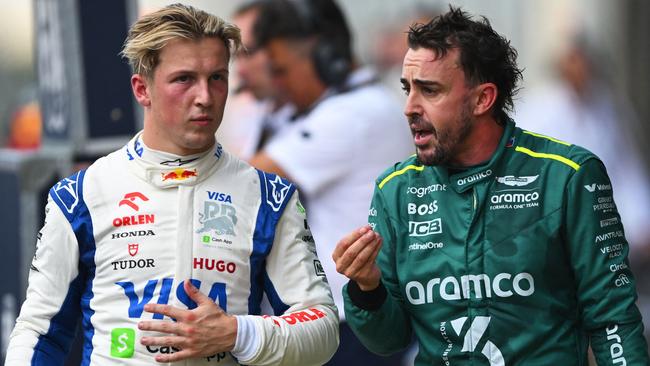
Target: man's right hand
(355,257)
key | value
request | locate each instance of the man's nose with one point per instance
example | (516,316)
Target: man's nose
(203,94)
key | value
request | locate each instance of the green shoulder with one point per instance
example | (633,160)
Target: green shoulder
(546,147)
(400,170)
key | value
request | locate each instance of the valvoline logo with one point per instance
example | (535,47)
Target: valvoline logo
(179,174)
(140,294)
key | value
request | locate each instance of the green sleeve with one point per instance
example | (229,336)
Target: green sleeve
(386,330)
(605,285)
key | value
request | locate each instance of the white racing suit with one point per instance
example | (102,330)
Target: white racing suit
(129,230)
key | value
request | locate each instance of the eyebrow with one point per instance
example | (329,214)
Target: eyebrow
(420,82)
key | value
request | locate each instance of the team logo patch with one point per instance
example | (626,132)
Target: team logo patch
(277,193)
(122,342)
(130,198)
(67,192)
(133,249)
(220,218)
(511,180)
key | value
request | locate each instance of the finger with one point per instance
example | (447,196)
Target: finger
(364,259)
(344,261)
(170,341)
(196,295)
(168,310)
(176,356)
(162,327)
(366,270)
(348,240)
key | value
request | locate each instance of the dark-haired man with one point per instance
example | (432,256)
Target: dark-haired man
(500,246)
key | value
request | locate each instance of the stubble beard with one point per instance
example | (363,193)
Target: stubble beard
(447,141)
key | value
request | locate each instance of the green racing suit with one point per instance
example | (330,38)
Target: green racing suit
(519,261)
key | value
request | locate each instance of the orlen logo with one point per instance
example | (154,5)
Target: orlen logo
(133,220)
(214,265)
(421,191)
(423,209)
(424,228)
(474,177)
(450,288)
(130,198)
(298,317)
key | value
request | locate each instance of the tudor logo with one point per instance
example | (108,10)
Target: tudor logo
(511,180)
(133,249)
(130,198)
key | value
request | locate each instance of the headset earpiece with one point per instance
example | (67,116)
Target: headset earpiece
(330,54)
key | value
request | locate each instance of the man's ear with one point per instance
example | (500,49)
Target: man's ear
(140,87)
(486,95)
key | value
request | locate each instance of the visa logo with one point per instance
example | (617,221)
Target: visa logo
(219,197)
(139,297)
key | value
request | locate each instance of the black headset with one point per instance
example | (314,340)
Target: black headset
(331,53)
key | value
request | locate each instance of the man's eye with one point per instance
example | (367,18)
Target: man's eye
(406,89)
(218,77)
(429,91)
(182,79)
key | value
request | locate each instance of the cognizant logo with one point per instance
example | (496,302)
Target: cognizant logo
(450,288)
(421,191)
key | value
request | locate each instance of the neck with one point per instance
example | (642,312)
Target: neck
(480,144)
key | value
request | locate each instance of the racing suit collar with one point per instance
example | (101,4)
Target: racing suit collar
(169,170)
(462,181)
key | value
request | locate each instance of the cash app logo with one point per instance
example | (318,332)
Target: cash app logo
(122,342)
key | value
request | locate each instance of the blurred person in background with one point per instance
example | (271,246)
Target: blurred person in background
(255,112)
(390,46)
(337,141)
(164,247)
(581,107)
(493,245)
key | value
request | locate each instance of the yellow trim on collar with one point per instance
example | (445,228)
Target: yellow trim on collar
(559,158)
(400,172)
(547,137)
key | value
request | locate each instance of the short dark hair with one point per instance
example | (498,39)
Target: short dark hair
(484,55)
(301,20)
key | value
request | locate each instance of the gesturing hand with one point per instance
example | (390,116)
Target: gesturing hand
(200,332)
(355,257)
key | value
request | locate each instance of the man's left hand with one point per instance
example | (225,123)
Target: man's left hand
(200,332)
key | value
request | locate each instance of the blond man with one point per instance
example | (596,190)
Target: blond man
(165,247)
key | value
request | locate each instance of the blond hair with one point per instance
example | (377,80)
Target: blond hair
(153,31)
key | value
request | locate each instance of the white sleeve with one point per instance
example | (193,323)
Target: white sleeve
(307,333)
(53,269)
(317,150)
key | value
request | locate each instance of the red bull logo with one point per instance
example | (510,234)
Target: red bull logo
(179,174)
